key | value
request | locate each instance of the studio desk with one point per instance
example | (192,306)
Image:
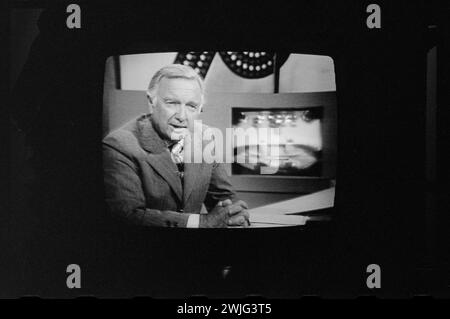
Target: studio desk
(294,212)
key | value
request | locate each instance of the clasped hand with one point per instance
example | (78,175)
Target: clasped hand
(226,214)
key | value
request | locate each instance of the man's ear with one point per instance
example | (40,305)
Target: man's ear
(150,104)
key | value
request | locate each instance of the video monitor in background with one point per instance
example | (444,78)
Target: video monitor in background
(296,150)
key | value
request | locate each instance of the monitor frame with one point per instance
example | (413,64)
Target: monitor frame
(218,106)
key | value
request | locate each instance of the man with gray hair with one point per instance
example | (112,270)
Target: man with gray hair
(148,179)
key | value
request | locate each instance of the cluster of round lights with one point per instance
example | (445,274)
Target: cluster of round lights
(247,64)
(282,118)
(274,119)
(252,64)
(199,61)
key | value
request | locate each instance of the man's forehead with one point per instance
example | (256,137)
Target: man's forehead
(172,85)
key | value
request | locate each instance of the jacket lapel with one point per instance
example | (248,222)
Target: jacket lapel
(194,173)
(159,156)
(164,165)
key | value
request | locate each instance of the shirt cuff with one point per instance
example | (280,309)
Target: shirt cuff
(193,221)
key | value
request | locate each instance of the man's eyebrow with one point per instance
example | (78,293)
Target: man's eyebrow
(169,98)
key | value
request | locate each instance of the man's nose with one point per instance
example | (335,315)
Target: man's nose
(181,114)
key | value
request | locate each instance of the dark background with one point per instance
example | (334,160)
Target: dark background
(388,211)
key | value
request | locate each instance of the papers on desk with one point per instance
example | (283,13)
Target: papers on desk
(277,220)
(266,225)
(280,214)
(318,200)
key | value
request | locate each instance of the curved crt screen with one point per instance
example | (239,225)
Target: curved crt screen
(259,126)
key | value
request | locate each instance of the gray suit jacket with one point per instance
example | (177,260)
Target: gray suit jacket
(141,181)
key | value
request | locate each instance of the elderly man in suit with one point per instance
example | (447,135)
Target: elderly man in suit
(148,179)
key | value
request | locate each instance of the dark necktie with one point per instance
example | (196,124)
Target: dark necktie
(176,152)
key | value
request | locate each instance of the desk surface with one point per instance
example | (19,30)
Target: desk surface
(280,214)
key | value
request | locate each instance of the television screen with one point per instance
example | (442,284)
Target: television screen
(288,99)
(287,141)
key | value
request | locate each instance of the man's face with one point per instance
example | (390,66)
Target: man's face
(176,107)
